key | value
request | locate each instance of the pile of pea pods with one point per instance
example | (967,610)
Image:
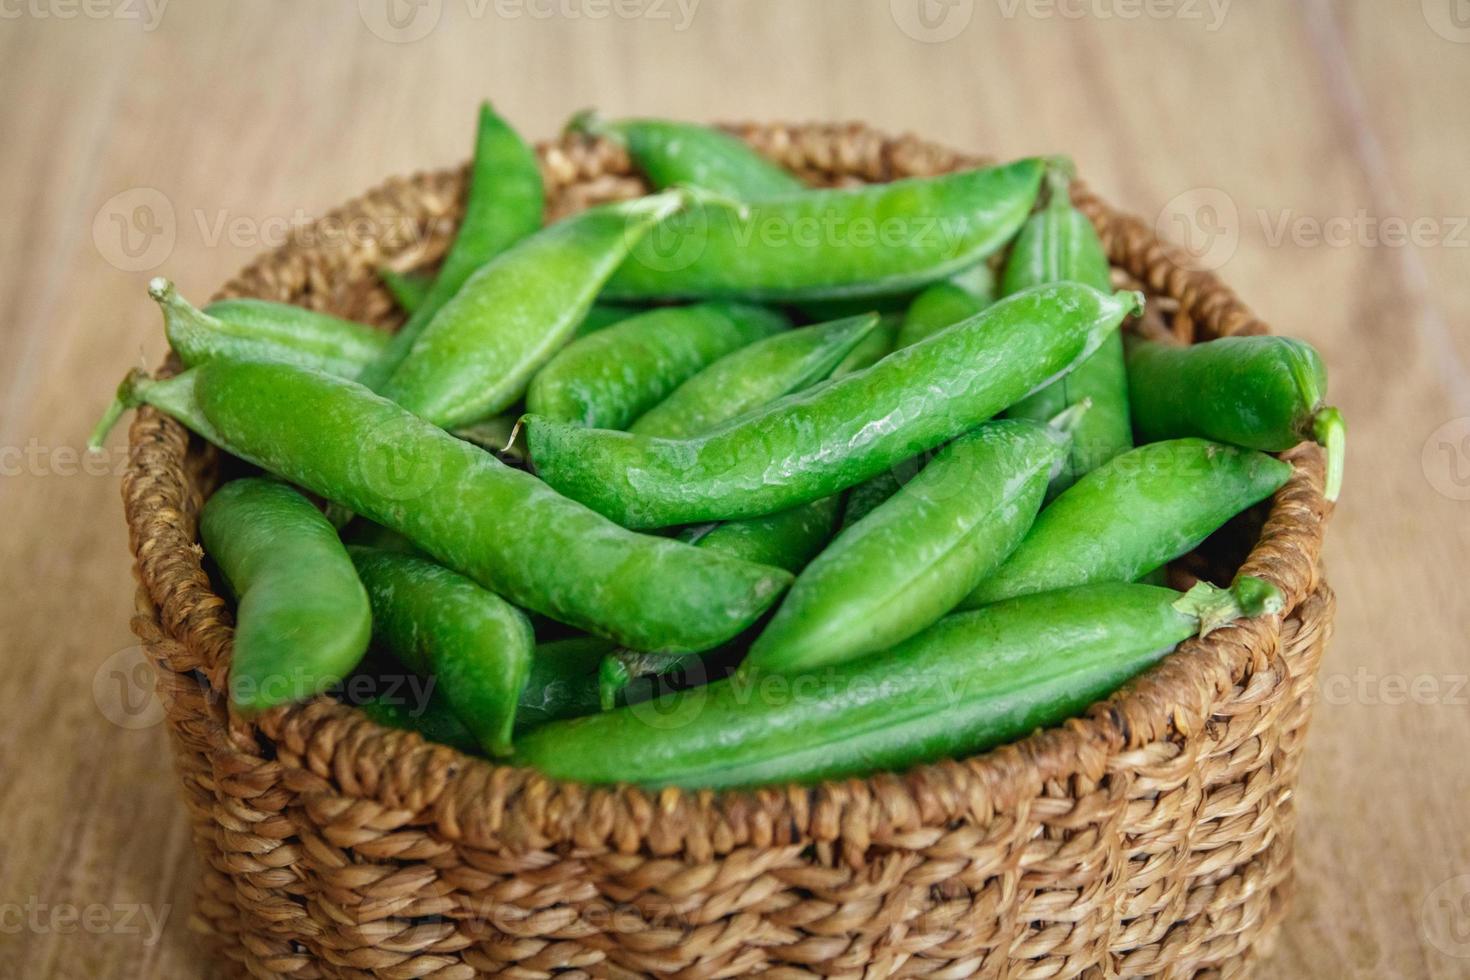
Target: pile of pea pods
(737,482)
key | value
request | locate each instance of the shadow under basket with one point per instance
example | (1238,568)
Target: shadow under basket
(1150,836)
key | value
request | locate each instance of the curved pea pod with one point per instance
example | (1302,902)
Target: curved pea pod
(563,682)
(1134,513)
(504,205)
(260,329)
(948,302)
(302,623)
(677,153)
(827,244)
(608,379)
(786,539)
(839,433)
(1258,392)
(917,554)
(408,289)
(501,527)
(434,621)
(475,357)
(1059,243)
(754,376)
(971,681)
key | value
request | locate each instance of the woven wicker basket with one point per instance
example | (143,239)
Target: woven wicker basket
(1153,836)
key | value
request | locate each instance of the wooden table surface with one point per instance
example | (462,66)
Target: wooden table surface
(1314,152)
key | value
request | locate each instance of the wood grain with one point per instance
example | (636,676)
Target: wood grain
(242,118)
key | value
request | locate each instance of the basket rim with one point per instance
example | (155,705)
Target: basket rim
(330,745)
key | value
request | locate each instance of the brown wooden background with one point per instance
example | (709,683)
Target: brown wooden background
(1297,144)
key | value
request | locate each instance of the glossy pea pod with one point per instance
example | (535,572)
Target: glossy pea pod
(917,554)
(302,622)
(503,206)
(826,244)
(500,526)
(685,154)
(969,682)
(260,329)
(475,357)
(754,376)
(815,443)
(436,622)
(1258,392)
(612,377)
(1059,243)
(1138,511)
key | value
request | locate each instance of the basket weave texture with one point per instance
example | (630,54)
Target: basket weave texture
(1151,836)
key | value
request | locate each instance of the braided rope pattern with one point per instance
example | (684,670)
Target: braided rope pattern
(1151,836)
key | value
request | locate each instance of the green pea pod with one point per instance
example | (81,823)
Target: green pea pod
(948,302)
(504,205)
(433,719)
(500,526)
(684,154)
(610,378)
(827,244)
(1058,243)
(917,554)
(476,355)
(971,681)
(1134,513)
(872,348)
(754,376)
(408,289)
(839,433)
(476,645)
(260,329)
(786,539)
(302,623)
(563,681)
(1258,392)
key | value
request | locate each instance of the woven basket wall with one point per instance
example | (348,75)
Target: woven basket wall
(1153,836)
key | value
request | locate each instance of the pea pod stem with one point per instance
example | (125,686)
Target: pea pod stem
(1330,432)
(173,396)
